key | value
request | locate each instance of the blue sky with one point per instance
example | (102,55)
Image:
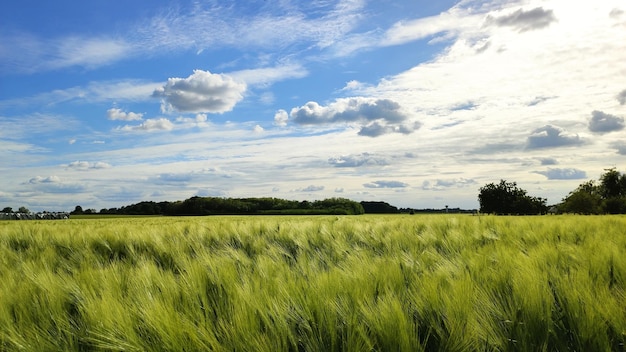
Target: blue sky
(417,103)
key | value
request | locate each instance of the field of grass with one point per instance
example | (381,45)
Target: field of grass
(306,283)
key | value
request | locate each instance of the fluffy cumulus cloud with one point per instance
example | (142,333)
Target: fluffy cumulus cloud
(280,118)
(386,184)
(358,160)
(602,122)
(202,92)
(375,116)
(563,174)
(524,20)
(119,114)
(160,124)
(550,136)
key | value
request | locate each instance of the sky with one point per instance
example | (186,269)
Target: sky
(418,103)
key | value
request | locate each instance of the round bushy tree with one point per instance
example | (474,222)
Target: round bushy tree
(506,198)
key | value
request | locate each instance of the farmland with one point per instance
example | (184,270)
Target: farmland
(314,283)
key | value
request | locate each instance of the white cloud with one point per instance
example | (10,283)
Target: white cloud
(280,118)
(258,129)
(202,92)
(375,116)
(119,114)
(160,124)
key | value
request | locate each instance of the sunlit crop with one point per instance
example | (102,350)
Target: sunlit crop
(326,283)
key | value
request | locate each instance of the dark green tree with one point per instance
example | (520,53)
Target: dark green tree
(506,198)
(586,199)
(7,210)
(613,191)
(606,196)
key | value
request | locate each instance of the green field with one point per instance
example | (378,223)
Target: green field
(306,283)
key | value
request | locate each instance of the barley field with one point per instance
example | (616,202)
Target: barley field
(314,283)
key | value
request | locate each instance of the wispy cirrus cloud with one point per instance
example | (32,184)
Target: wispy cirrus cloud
(27,53)
(265,76)
(180,29)
(130,90)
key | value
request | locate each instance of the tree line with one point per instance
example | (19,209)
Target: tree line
(605,196)
(233,206)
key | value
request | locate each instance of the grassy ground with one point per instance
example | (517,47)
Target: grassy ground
(325,283)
